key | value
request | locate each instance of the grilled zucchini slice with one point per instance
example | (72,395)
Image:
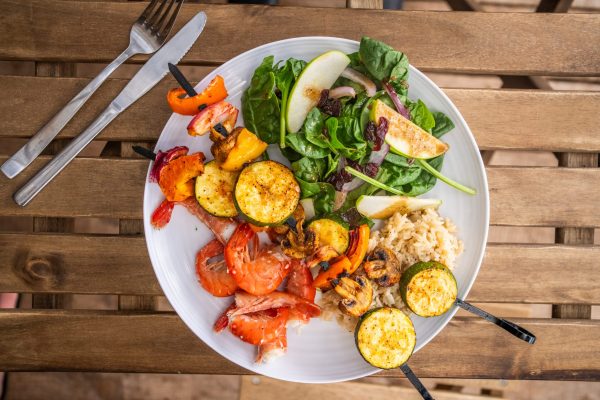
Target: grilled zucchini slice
(429,288)
(214,190)
(330,232)
(266,193)
(385,337)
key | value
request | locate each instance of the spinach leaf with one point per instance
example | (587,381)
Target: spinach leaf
(299,143)
(443,124)
(354,108)
(260,105)
(425,182)
(382,61)
(323,195)
(420,115)
(346,136)
(284,79)
(332,164)
(313,128)
(309,169)
(396,176)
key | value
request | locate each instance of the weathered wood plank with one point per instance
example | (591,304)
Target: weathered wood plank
(499,119)
(530,196)
(146,342)
(462,41)
(79,264)
(575,235)
(264,388)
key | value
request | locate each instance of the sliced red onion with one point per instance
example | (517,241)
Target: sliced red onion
(353,184)
(378,156)
(342,91)
(361,79)
(394,96)
(163,158)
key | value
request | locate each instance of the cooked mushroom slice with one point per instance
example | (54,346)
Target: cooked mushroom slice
(297,242)
(383,267)
(222,145)
(356,293)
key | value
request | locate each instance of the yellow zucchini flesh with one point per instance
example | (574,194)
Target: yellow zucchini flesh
(214,190)
(385,337)
(330,232)
(429,289)
(266,193)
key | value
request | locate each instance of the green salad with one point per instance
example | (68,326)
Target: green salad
(346,124)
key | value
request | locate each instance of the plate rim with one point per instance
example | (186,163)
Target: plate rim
(451,313)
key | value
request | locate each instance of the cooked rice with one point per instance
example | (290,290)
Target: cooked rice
(418,236)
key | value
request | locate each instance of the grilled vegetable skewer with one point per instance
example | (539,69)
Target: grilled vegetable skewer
(429,289)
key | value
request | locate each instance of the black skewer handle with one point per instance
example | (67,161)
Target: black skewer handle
(508,326)
(183,82)
(416,382)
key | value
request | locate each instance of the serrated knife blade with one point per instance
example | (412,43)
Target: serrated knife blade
(152,72)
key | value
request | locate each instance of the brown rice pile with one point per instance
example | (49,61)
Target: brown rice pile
(418,236)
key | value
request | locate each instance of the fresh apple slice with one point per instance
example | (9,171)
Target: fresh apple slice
(404,137)
(319,74)
(381,207)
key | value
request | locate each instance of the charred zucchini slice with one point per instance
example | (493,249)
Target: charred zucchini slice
(428,288)
(385,337)
(330,232)
(266,193)
(214,190)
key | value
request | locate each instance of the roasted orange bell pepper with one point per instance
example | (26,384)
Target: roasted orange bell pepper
(359,245)
(177,178)
(247,147)
(214,92)
(336,267)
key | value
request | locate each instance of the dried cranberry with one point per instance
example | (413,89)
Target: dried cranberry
(370,169)
(329,106)
(339,179)
(380,133)
(371,132)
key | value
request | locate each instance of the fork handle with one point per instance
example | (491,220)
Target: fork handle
(62,159)
(26,154)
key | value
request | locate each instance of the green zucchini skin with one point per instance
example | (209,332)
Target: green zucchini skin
(266,193)
(396,326)
(423,267)
(214,190)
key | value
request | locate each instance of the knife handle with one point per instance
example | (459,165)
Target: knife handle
(33,148)
(28,191)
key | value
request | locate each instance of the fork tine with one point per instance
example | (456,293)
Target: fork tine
(156,14)
(164,32)
(147,11)
(156,27)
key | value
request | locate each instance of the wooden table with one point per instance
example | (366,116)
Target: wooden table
(51,262)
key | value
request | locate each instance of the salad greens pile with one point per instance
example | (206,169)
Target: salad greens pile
(326,142)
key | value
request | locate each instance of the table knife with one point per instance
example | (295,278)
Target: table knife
(147,77)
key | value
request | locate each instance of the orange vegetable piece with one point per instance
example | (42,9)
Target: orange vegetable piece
(336,267)
(214,92)
(247,147)
(359,245)
(176,178)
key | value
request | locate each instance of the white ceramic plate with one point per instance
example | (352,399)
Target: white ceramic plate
(322,352)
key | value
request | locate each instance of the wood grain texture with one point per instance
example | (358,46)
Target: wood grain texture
(466,42)
(499,119)
(571,235)
(120,265)
(530,196)
(61,340)
(263,388)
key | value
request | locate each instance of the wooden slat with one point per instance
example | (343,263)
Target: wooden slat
(79,264)
(111,341)
(575,235)
(271,389)
(530,196)
(499,119)
(467,42)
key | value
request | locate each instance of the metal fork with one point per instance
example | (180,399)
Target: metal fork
(147,35)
